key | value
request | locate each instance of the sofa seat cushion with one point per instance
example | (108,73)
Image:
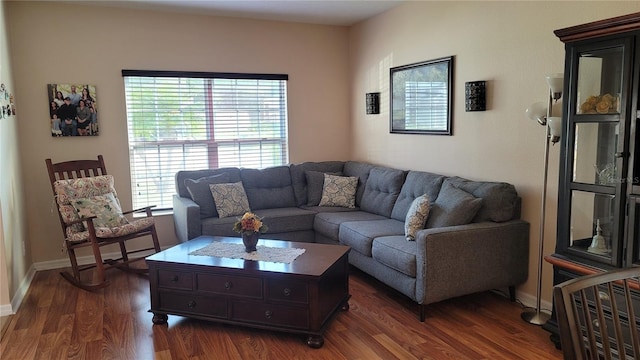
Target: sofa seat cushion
(278,220)
(360,234)
(396,252)
(287,219)
(328,223)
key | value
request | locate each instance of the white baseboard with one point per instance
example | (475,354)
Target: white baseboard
(529,300)
(82,260)
(6,310)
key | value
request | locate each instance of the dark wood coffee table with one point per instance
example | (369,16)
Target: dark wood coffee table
(300,297)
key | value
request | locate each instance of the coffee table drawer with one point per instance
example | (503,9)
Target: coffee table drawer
(269,314)
(175,279)
(195,304)
(230,285)
(288,291)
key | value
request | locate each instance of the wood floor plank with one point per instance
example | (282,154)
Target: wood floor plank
(59,321)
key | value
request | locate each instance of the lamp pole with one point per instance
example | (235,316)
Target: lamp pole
(536,316)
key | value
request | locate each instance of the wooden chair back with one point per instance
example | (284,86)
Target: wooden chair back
(598,315)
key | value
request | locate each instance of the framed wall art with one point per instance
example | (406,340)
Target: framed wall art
(73,110)
(421,97)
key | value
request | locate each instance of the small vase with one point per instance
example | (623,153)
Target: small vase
(250,241)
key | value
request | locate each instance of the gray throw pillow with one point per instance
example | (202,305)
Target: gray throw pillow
(201,194)
(416,216)
(230,199)
(453,207)
(315,183)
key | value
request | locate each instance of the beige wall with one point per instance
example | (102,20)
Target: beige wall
(14,263)
(61,43)
(509,44)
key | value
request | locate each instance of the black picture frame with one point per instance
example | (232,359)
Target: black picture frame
(421,97)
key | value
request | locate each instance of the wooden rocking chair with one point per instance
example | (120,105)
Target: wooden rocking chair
(90,216)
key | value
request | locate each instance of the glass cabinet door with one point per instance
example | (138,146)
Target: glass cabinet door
(597,99)
(599,81)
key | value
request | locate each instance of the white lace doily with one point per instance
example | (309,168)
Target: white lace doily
(236,251)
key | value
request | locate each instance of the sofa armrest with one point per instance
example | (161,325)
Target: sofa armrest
(459,260)
(186,218)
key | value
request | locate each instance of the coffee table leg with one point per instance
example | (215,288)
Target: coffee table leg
(159,319)
(315,341)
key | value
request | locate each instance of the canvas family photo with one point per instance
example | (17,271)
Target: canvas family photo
(73,110)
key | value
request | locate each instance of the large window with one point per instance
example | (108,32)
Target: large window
(192,121)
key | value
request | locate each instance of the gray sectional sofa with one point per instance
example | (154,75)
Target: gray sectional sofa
(473,239)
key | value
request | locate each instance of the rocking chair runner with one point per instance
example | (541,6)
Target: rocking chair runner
(90,216)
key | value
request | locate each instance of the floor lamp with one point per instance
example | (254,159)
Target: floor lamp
(553,126)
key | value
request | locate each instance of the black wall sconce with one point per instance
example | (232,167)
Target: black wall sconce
(373,103)
(475,94)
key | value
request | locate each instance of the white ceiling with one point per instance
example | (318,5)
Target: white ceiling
(329,12)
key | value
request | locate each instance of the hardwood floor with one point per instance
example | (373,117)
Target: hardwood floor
(59,321)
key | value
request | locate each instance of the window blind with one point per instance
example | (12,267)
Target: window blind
(193,121)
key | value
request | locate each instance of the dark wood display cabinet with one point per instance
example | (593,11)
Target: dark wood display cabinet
(599,186)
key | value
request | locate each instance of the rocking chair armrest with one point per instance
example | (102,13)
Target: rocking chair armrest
(78,221)
(143,209)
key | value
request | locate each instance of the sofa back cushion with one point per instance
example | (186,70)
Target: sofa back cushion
(382,190)
(268,188)
(181,188)
(416,184)
(200,192)
(299,179)
(500,200)
(361,171)
(453,206)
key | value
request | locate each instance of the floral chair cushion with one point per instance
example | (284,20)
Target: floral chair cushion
(70,191)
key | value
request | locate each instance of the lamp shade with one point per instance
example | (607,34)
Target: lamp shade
(538,112)
(555,82)
(555,127)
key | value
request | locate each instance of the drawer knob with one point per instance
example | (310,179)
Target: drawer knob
(227,285)
(286,291)
(191,304)
(175,278)
(268,314)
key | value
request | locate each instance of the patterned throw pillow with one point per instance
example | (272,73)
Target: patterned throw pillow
(339,191)
(105,207)
(230,199)
(416,217)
